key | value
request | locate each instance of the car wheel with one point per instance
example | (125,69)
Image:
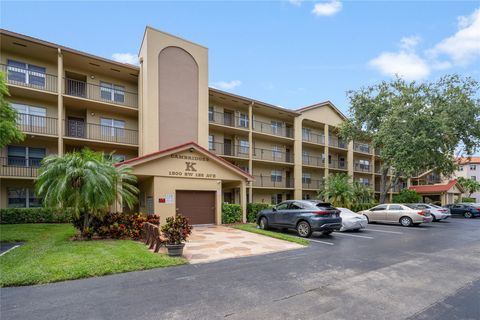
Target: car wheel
(434,219)
(326,233)
(406,221)
(303,229)
(263,223)
(468,215)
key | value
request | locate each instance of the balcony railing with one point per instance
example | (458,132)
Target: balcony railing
(313,138)
(362,147)
(335,164)
(228,119)
(98,132)
(223,149)
(312,184)
(272,182)
(37,124)
(272,155)
(95,92)
(29,78)
(273,129)
(313,161)
(362,167)
(337,142)
(11,167)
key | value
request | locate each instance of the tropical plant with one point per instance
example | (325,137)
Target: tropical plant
(415,126)
(176,230)
(469,185)
(338,190)
(85,182)
(407,196)
(9,131)
(362,194)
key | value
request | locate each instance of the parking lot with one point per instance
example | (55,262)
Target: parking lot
(384,272)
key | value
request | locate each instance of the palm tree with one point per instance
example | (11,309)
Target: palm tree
(85,182)
(362,193)
(338,190)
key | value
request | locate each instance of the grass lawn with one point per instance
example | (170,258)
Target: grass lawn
(48,255)
(252,227)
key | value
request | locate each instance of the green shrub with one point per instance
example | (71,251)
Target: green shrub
(407,196)
(231,213)
(468,200)
(254,208)
(34,215)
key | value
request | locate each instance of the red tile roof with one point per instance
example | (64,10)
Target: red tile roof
(435,188)
(464,160)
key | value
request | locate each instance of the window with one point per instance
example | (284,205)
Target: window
(30,115)
(276,176)
(118,158)
(306,134)
(22,198)
(474,178)
(243,120)
(342,163)
(395,207)
(244,146)
(25,156)
(26,73)
(210,114)
(306,178)
(112,92)
(306,196)
(473,167)
(363,147)
(363,181)
(276,152)
(379,208)
(306,157)
(364,165)
(297,206)
(283,205)
(112,127)
(460,168)
(211,142)
(276,127)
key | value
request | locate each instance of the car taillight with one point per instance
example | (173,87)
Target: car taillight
(321,212)
(443,210)
(478,209)
(422,213)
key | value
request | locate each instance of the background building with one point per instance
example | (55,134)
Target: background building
(469,168)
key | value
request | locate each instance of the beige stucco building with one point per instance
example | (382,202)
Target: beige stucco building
(160,115)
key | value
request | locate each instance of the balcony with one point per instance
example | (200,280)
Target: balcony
(229,150)
(312,184)
(313,138)
(36,124)
(361,167)
(10,167)
(92,131)
(28,78)
(272,182)
(89,91)
(272,129)
(272,155)
(313,161)
(339,165)
(337,143)
(228,119)
(362,147)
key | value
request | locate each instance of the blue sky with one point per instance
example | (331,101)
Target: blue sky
(288,53)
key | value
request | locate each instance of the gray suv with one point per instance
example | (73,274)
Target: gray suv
(303,215)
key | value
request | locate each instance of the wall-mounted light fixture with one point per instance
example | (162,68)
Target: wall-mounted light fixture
(92,114)
(92,77)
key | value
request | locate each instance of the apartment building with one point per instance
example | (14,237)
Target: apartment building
(469,168)
(191,146)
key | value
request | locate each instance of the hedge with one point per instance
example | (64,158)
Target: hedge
(468,200)
(34,215)
(254,208)
(231,213)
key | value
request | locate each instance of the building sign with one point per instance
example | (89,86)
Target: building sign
(192,167)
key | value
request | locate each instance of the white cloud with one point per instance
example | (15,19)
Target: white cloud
(327,8)
(297,3)
(410,43)
(227,85)
(408,65)
(464,46)
(129,58)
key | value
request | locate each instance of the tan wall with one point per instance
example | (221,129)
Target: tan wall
(265,196)
(323,114)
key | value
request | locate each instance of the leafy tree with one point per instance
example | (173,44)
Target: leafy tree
(407,196)
(338,190)
(9,131)
(362,194)
(416,126)
(471,186)
(85,181)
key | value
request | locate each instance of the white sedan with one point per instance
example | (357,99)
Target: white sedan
(352,220)
(438,213)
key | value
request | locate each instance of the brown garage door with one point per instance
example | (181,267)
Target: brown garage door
(197,206)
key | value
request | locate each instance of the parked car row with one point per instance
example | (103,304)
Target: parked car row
(308,216)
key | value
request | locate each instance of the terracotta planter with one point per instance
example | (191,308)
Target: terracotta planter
(175,250)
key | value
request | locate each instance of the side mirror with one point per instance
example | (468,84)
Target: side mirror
(274,209)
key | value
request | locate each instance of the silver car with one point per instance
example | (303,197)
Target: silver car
(405,214)
(438,213)
(352,220)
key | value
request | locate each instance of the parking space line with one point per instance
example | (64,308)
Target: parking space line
(324,242)
(385,231)
(353,235)
(403,228)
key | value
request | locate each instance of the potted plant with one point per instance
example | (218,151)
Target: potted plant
(176,231)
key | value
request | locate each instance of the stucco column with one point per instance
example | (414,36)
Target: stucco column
(60,113)
(297,156)
(326,149)
(350,159)
(243,200)
(372,165)
(250,150)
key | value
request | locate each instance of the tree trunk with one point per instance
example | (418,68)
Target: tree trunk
(86,221)
(384,185)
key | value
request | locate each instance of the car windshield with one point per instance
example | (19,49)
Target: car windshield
(412,205)
(318,204)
